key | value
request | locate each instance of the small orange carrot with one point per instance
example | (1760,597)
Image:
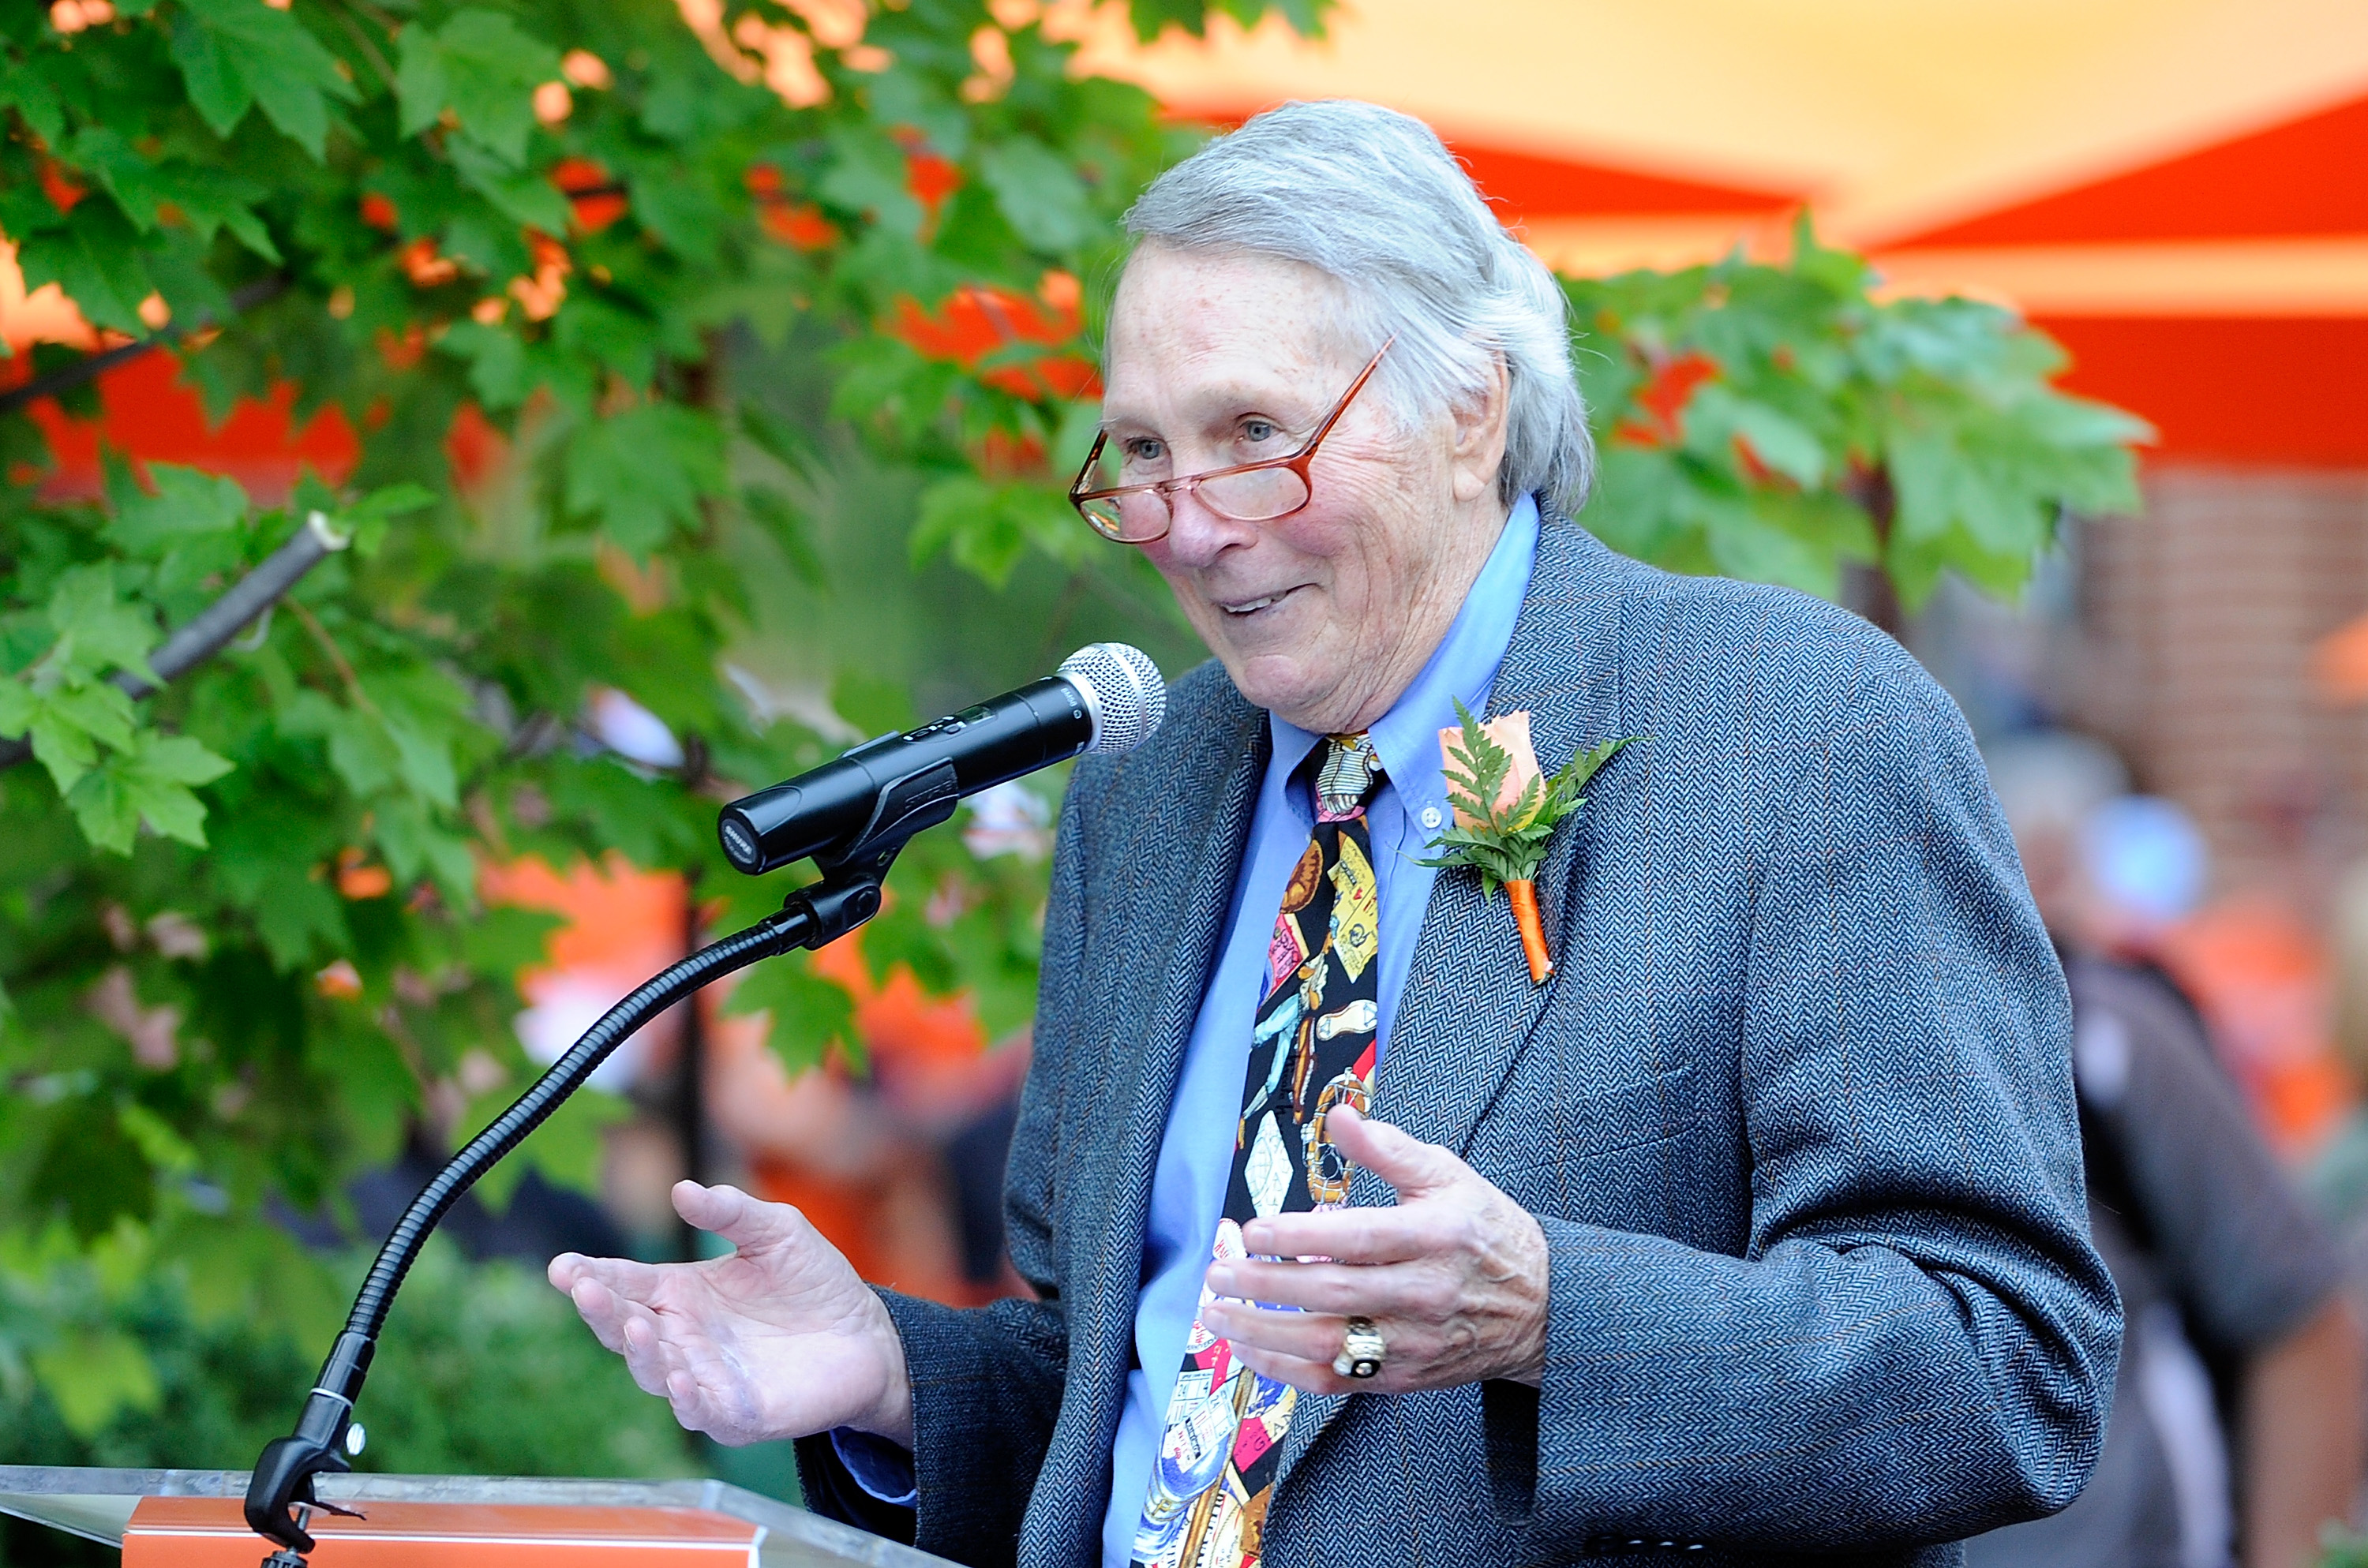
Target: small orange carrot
(1524,896)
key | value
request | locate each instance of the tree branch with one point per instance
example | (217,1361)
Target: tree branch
(223,619)
(69,377)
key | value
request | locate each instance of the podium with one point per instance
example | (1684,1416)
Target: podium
(191,1519)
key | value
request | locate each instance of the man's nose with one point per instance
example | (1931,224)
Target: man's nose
(1197,536)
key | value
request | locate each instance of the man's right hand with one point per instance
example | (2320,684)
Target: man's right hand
(780,1339)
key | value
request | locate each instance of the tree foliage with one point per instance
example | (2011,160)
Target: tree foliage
(1780,423)
(728,304)
(240,932)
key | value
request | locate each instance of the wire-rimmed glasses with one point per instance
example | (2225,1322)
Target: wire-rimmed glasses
(1246,493)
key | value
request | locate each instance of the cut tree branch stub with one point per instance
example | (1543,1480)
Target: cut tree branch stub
(219,622)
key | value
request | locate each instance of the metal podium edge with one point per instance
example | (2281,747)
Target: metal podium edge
(98,1504)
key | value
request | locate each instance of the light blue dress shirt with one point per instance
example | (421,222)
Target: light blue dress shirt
(1196,1150)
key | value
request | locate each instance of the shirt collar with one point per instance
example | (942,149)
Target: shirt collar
(1461,669)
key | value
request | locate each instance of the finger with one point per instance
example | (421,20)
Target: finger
(633,1280)
(692,1408)
(1308,1377)
(749,1223)
(1309,1336)
(1354,1235)
(1398,1157)
(699,1408)
(603,1310)
(1419,1290)
(710,1393)
(647,1355)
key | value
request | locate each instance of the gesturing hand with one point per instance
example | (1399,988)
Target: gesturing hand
(780,1339)
(1454,1276)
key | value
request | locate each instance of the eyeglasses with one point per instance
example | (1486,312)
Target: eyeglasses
(1246,493)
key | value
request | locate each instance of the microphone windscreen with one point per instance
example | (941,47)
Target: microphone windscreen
(1125,690)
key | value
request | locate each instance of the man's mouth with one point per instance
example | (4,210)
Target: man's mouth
(1243,608)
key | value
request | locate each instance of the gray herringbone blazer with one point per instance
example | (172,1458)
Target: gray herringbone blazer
(1794,1111)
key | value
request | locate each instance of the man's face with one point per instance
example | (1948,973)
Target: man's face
(1327,615)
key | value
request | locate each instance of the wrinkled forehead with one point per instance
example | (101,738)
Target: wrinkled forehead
(1183,317)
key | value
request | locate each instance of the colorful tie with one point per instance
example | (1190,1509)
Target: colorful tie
(1312,1048)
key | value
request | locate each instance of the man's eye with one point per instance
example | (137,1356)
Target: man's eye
(1259,430)
(1143,450)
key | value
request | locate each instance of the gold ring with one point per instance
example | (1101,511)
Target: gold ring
(1361,1350)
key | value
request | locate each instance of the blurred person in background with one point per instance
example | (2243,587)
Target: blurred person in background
(2237,1419)
(2338,1176)
(901,1165)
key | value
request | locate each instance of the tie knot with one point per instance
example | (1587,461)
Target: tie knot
(1350,769)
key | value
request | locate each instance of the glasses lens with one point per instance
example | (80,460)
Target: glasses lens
(1256,497)
(1128,519)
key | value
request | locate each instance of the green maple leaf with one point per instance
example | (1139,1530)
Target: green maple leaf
(809,1014)
(70,722)
(96,631)
(644,471)
(148,782)
(867,176)
(91,1374)
(237,54)
(415,845)
(97,259)
(1039,193)
(482,68)
(187,502)
(523,198)
(25,86)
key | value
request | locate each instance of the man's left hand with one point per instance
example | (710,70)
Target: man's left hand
(1455,1277)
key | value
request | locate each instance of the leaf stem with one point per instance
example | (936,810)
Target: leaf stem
(362,39)
(338,658)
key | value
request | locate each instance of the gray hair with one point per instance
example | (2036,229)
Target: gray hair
(1374,200)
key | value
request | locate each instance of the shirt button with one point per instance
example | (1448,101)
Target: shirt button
(1432,818)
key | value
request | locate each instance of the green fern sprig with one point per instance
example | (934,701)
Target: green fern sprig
(1509,843)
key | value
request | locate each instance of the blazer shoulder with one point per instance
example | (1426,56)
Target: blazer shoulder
(1205,726)
(1778,656)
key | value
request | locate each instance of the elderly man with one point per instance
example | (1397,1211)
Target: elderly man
(1755,1228)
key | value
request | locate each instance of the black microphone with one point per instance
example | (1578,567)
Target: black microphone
(1107,697)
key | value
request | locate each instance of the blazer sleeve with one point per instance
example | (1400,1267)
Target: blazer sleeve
(986,1380)
(1919,1342)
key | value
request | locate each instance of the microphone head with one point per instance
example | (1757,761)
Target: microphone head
(1122,688)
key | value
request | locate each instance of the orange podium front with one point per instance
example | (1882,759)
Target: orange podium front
(210,1532)
(184,1518)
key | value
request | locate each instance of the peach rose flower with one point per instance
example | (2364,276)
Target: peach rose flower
(1510,730)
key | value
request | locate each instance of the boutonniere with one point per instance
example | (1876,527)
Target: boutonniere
(1506,808)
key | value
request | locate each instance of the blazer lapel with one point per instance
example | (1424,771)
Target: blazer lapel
(1469,1007)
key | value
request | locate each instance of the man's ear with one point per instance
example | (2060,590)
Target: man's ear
(1479,434)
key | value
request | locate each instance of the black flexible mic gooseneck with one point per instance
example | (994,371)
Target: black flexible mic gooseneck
(1107,697)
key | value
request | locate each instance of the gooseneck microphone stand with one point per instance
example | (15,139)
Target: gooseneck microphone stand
(846,896)
(852,817)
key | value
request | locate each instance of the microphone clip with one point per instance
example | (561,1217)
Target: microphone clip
(850,892)
(920,799)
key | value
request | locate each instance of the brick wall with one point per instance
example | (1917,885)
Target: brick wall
(2191,651)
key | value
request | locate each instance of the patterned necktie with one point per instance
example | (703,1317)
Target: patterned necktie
(1312,1048)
